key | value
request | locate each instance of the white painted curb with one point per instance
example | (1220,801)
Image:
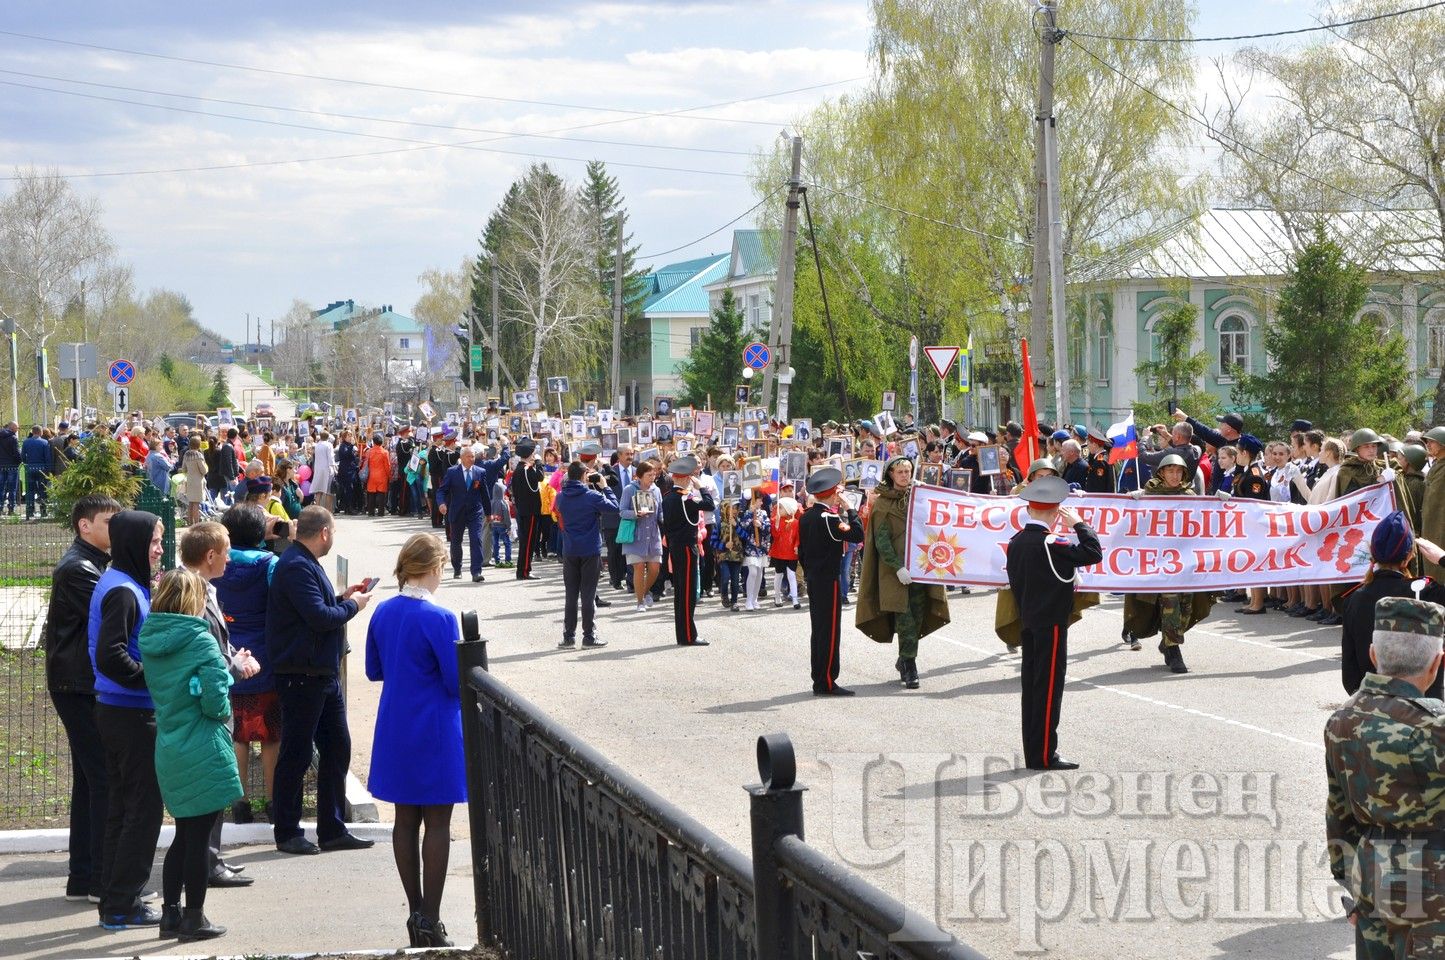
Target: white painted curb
(232,835)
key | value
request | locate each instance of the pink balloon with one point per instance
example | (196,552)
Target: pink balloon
(303,473)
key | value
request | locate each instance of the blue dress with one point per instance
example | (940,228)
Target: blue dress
(416,755)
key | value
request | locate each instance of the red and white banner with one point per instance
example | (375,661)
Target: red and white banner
(1155,543)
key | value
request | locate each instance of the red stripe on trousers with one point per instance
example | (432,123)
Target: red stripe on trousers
(1049,703)
(687,600)
(833,643)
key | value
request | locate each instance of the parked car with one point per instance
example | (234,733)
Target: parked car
(263,408)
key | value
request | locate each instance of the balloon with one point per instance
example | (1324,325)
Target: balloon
(305,488)
(303,473)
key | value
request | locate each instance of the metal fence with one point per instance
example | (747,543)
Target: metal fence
(572,857)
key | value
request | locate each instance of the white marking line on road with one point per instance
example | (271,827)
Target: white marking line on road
(1163,703)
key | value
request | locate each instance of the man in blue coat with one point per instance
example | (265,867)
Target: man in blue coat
(306,637)
(35,454)
(464,498)
(581,506)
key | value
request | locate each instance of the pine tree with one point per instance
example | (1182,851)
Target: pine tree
(1339,372)
(712,368)
(602,201)
(220,392)
(168,367)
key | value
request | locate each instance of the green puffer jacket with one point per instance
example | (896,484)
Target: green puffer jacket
(189,682)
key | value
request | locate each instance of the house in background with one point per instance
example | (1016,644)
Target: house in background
(1231,265)
(404,340)
(752,272)
(676,313)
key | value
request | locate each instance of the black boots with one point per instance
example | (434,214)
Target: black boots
(908,672)
(195,926)
(1173,658)
(170,921)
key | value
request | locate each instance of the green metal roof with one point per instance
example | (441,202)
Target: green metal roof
(757,253)
(680,286)
(340,313)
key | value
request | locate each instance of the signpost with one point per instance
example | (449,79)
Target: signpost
(913,377)
(121,372)
(78,362)
(757,356)
(122,399)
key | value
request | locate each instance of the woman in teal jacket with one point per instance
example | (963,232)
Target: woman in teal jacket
(195,764)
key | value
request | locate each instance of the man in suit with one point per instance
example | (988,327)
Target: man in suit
(682,509)
(823,535)
(527,480)
(1041,577)
(464,498)
(618,475)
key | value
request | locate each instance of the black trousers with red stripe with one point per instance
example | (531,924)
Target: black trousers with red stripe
(825,609)
(529,528)
(1045,652)
(684,605)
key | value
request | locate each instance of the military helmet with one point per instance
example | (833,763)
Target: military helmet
(1042,463)
(1413,455)
(1436,433)
(1361,437)
(1172,460)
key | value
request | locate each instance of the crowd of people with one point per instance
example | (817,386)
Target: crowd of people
(164,681)
(242,644)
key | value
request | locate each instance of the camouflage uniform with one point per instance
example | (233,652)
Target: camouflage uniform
(1385,817)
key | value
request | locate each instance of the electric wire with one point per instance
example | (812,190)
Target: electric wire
(1260,36)
(684,246)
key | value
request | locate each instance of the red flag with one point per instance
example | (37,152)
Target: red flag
(1029,445)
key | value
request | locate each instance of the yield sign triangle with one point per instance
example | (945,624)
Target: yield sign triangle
(942,358)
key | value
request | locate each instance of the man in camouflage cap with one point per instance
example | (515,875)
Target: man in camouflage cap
(1385,759)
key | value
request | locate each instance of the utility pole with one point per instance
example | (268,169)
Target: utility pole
(496,340)
(617,322)
(471,346)
(1056,278)
(12,331)
(1039,295)
(780,335)
(246,344)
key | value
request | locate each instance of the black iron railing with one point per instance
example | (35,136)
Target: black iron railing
(572,857)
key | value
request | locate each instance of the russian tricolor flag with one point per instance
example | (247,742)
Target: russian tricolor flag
(1125,440)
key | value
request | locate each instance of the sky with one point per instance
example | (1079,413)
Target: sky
(373,204)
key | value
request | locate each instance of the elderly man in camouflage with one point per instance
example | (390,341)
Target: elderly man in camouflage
(1385,758)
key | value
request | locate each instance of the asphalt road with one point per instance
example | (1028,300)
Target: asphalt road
(247,390)
(1194,828)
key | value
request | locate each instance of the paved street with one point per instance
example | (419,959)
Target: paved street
(247,390)
(685,721)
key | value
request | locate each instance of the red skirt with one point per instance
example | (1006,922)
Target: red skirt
(257,717)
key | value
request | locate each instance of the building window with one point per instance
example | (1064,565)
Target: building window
(1103,356)
(404,343)
(1380,322)
(1435,344)
(1077,346)
(695,336)
(1233,345)
(755,311)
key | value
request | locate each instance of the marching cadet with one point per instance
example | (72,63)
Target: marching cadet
(527,480)
(682,508)
(1101,471)
(822,537)
(1041,577)
(1169,614)
(1385,760)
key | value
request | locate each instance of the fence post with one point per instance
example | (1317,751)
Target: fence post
(776,810)
(472,652)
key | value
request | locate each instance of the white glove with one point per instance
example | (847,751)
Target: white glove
(904,577)
(1223,494)
(1136,494)
(1387,475)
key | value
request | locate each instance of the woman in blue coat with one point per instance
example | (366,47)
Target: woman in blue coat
(416,756)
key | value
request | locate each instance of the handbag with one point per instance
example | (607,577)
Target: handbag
(365,471)
(626,530)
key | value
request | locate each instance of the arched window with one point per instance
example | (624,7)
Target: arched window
(1435,342)
(1233,344)
(1378,319)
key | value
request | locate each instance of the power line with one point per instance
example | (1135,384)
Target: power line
(501,134)
(464,145)
(684,246)
(401,87)
(1258,36)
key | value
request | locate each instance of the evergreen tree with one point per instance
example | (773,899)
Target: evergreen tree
(713,367)
(101,470)
(1325,365)
(1174,377)
(168,367)
(220,392)
(603,204)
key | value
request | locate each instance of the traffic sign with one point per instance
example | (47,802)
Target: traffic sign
(965,371)
(756,355)
(477,357)
(912,353)
(77,361)
(558,385)
(941,359)
(122,372)
(122,399)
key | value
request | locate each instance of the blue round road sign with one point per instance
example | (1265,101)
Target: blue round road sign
(122,372)
(757,355)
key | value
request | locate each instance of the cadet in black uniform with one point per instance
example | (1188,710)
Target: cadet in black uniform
(1101,471)
(822,536)
(680,513)
(1041,577)
(527,480)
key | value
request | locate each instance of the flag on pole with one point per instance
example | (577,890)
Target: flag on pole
(1030,418)
(1125,440)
